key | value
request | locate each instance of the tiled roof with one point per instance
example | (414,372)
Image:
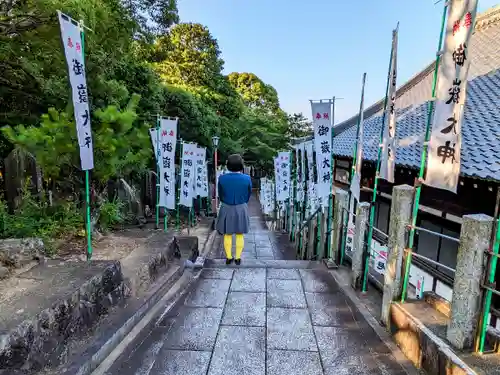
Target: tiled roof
(481,127)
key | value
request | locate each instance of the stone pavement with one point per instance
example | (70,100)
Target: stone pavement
(260,243)
(267,316)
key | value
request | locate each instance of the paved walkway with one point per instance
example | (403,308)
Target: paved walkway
(268,316)
(260,243)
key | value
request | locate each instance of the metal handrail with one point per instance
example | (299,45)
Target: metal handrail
(429,260)
(380,232)
(306,221)
(420,229)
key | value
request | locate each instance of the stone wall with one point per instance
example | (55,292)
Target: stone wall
(422,347)
(37,342)
(41,341)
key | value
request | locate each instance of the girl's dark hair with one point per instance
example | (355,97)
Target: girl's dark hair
(235,163)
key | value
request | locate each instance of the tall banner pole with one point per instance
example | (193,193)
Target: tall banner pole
(167,147)
(88,219)
(322,113)
(216,187)
(391,79)
(73,40)
(179,190)
(353,169)
(418,188)
(158,157)
(87,174)
(293,196)
(330,197)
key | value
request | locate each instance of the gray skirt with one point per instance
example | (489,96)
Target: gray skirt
(233,219)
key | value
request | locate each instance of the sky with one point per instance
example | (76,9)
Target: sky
(318,49)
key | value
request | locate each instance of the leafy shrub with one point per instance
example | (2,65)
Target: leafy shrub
(111,213)
(35,217)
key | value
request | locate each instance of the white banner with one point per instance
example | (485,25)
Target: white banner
(389,148)
(187,174)
(311,184)
(355,186)
(443,160)
(300,150)
(322,113)
(204,179)
(284,173)
(153,135)
(266,196)
(72,41)
(199,171)
(278,178)
(303,171)
(168,142)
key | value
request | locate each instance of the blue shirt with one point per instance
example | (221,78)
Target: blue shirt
(235,188)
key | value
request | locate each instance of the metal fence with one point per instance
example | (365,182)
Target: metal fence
(421,273)
(425,274)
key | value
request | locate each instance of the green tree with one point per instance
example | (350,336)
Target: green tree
(254,92)
(153,16)
(192,57)
(298,126)
(120,148)
(260,136)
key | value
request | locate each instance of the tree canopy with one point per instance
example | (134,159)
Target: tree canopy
(140,61)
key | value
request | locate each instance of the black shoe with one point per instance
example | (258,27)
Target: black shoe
(237,262)
(229,261)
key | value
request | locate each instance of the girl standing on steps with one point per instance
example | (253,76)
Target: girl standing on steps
(235,189)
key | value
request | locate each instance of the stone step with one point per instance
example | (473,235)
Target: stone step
(264,263)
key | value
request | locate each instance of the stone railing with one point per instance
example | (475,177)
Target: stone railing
(467,291)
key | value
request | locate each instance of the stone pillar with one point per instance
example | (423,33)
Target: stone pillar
(362,215)
(475,238)
(323,214)
(401,211)
(311,238)
(339,207)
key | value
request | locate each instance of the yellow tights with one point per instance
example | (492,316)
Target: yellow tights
(228,245)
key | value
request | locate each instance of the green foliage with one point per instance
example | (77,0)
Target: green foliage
(37,218)
(298,126)
(192,57)
(260,136)
(120,148)
(140,62)
(162,13)
(111,213)
(254,92)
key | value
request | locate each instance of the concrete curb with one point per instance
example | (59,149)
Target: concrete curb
(165,283)
(134,327)
(379,330)
(212,235)
(170,290)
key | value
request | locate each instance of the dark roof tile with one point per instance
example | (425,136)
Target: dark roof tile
(480,156)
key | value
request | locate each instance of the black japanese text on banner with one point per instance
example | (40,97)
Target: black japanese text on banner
(284,174)
(303,171)
(443,163)
(73,50)
(389,147)
(299,153)
(168,142)
(277,178)
(322,113)
(199,172)
(187,174)
(311,184)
